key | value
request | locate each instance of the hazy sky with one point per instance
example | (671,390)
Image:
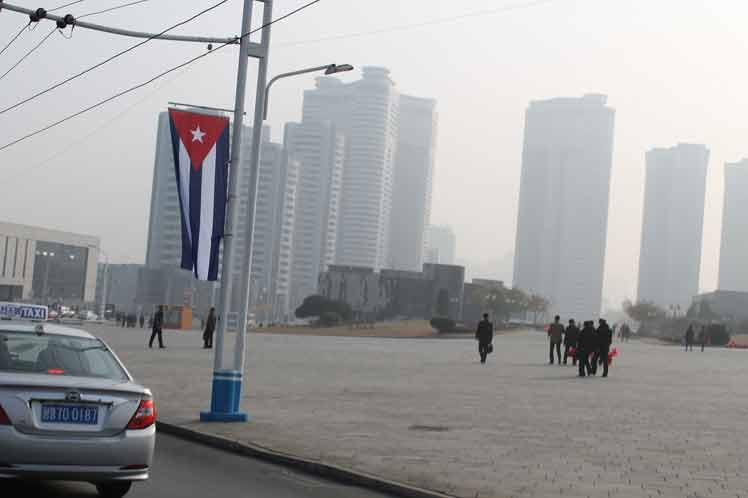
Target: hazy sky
(674,70)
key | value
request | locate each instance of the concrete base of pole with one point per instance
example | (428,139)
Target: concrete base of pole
(225,398)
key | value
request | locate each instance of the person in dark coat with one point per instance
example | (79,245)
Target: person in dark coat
(142,320)
(570,341)
(586,345)
(484,336)
(703,337)
(689,338)
(158,323)
(604,340)
(555,336)
(210,328)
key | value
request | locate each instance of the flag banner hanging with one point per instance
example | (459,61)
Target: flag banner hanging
(201,155)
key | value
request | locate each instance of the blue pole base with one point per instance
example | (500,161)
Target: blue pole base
(223,417)
(224,404)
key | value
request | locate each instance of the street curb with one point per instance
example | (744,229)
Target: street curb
(320,469)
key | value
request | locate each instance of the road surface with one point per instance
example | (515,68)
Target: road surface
(183,469)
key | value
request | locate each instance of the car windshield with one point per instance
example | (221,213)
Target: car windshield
(57,355)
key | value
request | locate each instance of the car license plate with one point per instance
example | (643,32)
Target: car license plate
(67,414)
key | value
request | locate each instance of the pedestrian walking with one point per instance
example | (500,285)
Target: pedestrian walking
(158,323)
(570,342)
(210,328)
(689,337)
(604,340)
(555,336)
(585,347)
(703,337)
(484,336)
(142,320)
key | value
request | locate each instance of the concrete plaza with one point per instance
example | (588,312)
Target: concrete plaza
(427,413)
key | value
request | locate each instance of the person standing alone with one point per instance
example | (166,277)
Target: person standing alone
(556,335)
(689,337)
(210,327)
(158,323)
(484,335)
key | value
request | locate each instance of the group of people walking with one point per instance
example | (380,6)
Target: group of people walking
(157,326)
(702,338)
(588,346)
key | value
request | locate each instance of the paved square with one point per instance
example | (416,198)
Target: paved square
(426,412)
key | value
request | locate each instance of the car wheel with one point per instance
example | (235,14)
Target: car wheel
(113,489)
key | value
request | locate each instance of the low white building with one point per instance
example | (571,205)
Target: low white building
(47,266)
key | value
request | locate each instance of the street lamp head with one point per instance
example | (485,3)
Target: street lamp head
(338,68)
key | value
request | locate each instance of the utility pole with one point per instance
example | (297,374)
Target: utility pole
(227,384)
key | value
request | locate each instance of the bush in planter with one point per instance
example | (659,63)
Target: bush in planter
(718,335)
(329,319)
(317,305)
(442,324)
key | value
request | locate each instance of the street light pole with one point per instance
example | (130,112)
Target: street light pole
(254,162)
(104,275)
(328,68)
(261,109)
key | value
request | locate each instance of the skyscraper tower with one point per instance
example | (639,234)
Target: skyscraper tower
(733,260)
(563,203)
(366,112)
(670,256)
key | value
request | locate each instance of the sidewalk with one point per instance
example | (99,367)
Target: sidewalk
(425,412)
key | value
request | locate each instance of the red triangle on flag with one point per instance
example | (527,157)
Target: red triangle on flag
(198,133)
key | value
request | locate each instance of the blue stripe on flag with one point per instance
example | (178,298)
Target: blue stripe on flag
(187,252)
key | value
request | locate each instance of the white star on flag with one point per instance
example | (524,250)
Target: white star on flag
(197,134)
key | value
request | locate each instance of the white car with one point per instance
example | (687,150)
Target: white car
(69,410)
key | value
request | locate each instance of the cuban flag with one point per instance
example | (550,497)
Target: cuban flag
(201,160)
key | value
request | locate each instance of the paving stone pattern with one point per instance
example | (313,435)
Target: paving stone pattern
(426,412)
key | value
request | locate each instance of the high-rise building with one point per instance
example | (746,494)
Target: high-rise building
(320,150)
(441,245)
(366,112)
(414,170)
(733,260)
(670,256)
(273,233)
(563,203)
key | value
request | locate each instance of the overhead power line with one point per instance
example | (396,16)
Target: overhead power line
(69,4)
(433,22)
(151,80)
(27,54)
(111,9)
(109,59)
(20,32)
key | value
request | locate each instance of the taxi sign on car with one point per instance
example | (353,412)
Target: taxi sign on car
(18,311)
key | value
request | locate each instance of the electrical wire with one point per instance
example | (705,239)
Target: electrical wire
(108,59)
(73,143)
(151,80)
(66,5)
(111,9)
(20,32)
(27,54)
(433,22)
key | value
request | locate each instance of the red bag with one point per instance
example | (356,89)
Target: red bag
(612,354)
